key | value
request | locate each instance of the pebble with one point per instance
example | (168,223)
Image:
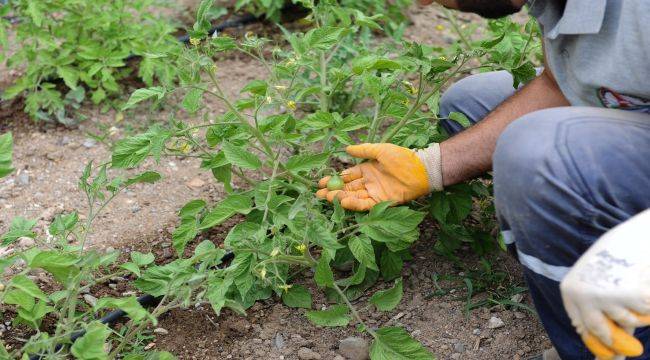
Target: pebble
(161,331)
(23,179)
(149,346)
(517,298)
(25,242)
(308,354)
(90,300)
(519,315)
(89,143)
(167,253)
(195,183)
(135,208)
(455,356)
(476,332)
(459,347)
(495,323)
(354,348)
(278,341)
(112,286)
(339,357)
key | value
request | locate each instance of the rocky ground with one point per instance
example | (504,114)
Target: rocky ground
(49,160)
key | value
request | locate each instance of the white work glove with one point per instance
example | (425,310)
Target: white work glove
(607,292)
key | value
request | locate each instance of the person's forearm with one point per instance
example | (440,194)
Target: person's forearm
(469,154)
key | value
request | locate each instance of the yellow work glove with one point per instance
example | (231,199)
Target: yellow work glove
(607,292)
(393,173)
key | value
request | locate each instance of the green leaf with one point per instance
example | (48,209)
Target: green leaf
(239,157)
(336,315)
(390,264)
(61,265)
(129,305)
(91,345)
(306,162)
(192,100)
(323,38)
(297,297)
(323,274)
(144,94)
(192,209)
(6,154)
(69,75)
(374,62)
(397,227)
(130,152)
(361,248)
(27,286)
(141,259)
(63,223)
(387,300)
(19,227)
(256,87)
(393,343)
(230,206)
(453,205)
(131,267)
(460,118)
(183,234)
(148,177)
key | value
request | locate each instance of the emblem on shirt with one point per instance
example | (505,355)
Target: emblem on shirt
(613,100)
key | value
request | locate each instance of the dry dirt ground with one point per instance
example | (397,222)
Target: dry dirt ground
(50,159)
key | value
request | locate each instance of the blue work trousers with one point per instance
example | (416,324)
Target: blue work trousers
(562,177)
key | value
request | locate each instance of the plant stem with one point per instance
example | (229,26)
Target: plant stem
(375,122)
(324,98)
(353,310)
(454,24)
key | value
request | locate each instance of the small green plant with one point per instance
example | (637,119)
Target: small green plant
(72,50)
(6,154)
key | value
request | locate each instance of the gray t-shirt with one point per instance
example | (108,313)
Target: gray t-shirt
(598,50)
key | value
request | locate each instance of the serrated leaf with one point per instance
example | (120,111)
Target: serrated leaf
(91,345)
(144,94)
(336,315)
(61,265)
(148,177)
(141,259)
(387,300)
(24,284)
(390,264)
(19,227)
(129,305)
(394,343)
(323,274)
(297,297)
(256,87)
(230,206)
(6,154)
(238,156)
(397,227)
(192,100)
(306,162)
(131,267)
(361,248)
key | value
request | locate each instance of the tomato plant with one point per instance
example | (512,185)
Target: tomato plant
(71,50)
(327,87)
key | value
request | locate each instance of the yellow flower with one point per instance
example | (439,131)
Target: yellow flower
(113,130)
(443,58)
(302,248)
(269,99)
(291,61)
(214,68)
(440,27)
(285,287)
(185,148)
(263,273)
(195,41)
(406,102)
(410,88)
(249,35)
(2,287)
(291,105)
(119,117)
(280,87)
(275,252)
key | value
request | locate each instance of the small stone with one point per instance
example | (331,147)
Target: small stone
(161,331)
(517,298)
(455,356)
(135,208)
(495,323)
(149,346)
(25,242)
(308,354)
(167,253)
(112,286)
(354,348)
(90,300)
(195,183)
(23,179)
(339,357)
(519,315)
(459,347)
(89,143)
(476,332)
(278,341)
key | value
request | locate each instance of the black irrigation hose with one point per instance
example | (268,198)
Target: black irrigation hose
(114,316)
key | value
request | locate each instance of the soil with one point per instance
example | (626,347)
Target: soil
(49,159)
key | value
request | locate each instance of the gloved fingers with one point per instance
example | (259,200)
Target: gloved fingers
(623,343)
(322,193)
(355,185)
(624,317)
(356,204)
(335,194)
(365,151)
(351,174)
(600,350)
(641,309)
(322,183)
(597,324)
